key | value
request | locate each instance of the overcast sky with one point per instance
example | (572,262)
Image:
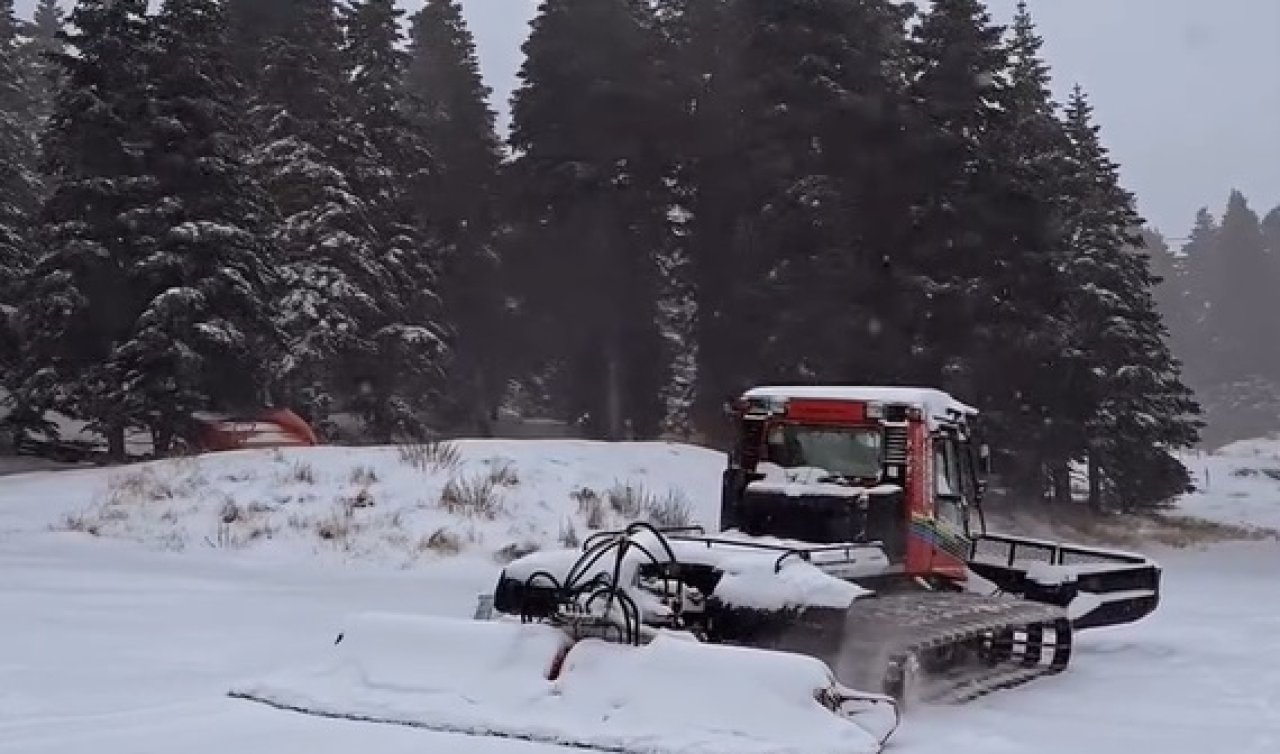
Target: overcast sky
(1187,92)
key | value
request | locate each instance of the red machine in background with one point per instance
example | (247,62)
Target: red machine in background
(263,428)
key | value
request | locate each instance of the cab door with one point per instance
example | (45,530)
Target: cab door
(953,496)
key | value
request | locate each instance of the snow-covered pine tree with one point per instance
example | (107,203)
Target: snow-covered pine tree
(1242,285)
(959,87)
(410,356)
(786,167)
(1139,411)
(703,45)
(458,195)
(825,119)
(41,39)
(1238,380)
(204,331)
(19,184)
(252,26)
(340,301)
(1172,295)
(587,129)
(1199,252)
(1022,351)
(989,173)
(77,305)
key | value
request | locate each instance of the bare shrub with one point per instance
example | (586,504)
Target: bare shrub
(569,535)
(364,476)
(362,499)
(230,513)
(670,511)
(241,534)
(141,485)
(80,522)
(302,472)
(515,550)
(634,502)
(441,541)
(626,500)
(590,507)
(430,455)
(475,497)
(337,527)
(503,474)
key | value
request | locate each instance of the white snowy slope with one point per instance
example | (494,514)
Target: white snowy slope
(394,506)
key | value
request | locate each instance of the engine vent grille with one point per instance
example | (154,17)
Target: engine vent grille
(895,443)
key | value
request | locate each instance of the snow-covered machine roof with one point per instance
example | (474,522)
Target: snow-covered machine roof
(935,403)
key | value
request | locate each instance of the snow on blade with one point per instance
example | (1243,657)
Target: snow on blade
(438,673)
(672,696)
(679,696)
(750,578)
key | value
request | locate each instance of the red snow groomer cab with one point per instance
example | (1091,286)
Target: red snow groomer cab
(263,428)
(901,469)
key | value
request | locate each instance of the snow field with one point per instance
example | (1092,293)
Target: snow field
(1237,486)
(415,505)
(115,648)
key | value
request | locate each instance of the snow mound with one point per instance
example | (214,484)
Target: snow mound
(671,696)
(395,505)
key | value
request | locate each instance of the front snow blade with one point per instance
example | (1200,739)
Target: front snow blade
(674,695)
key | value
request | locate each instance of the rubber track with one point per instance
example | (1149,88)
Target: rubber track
(883,633)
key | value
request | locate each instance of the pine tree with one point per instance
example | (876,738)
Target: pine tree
(834,112)
(412,339)
(962,194)
(445,101)
(1240,381)
(1242,286)
(253,26)
(1022,356)
(202,337)
(1139,410)
(1271,230)
(586,127)
(786,162)
(342,298)
(1200,251)
(42,80)
(19,185)
(705,54)
(78,306)
(1172,292)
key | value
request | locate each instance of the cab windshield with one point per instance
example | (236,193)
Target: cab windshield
(841,452)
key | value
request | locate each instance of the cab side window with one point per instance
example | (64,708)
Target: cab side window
(949,486)
(946,469)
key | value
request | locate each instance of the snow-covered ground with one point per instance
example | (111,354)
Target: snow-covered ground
(1238,485)
(401,506)
(127,641)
